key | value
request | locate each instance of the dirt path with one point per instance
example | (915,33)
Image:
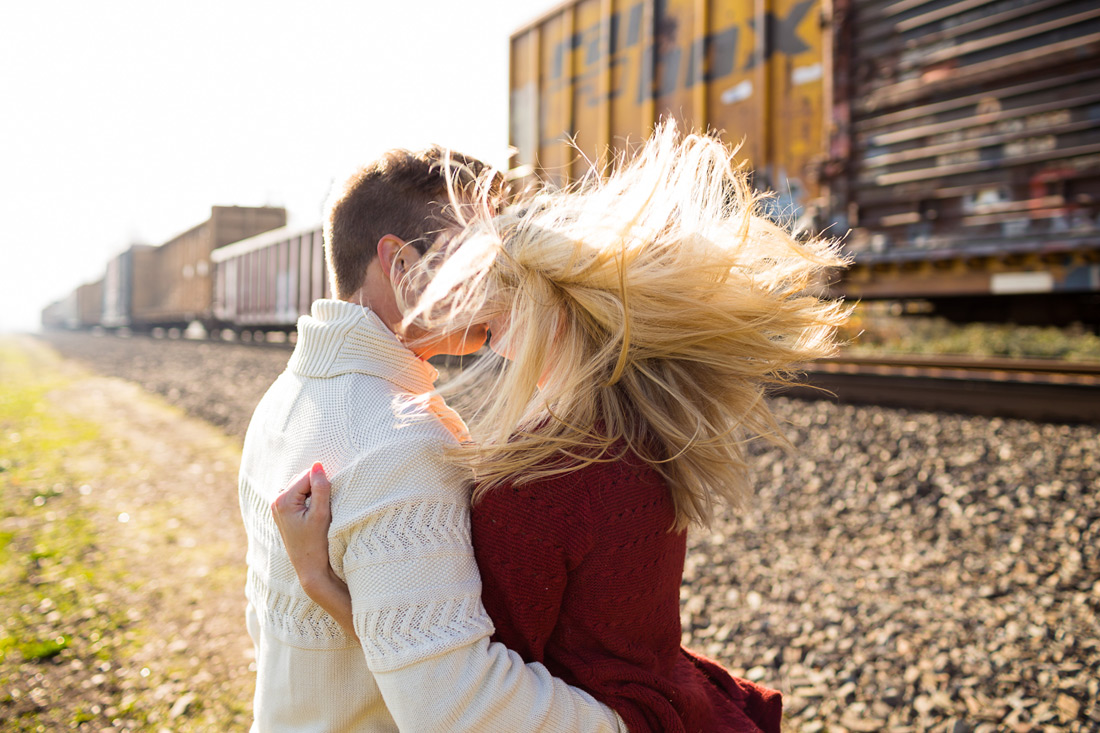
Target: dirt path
(159,490)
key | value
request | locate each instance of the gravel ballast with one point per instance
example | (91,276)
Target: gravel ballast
(900,570)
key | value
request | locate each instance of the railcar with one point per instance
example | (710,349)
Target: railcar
(129,285)
(265,282)
(89,304)
(61,314)
(954,145)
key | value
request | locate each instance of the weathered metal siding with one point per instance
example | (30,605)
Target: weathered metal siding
(234,223)
(181,295)
(268,281)
(89,304)
(127,280)
(974,141)
(603,72)
(144,283)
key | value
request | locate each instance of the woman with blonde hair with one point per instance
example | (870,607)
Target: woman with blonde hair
(641,317)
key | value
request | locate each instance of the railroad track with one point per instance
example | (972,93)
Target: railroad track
(1033,389)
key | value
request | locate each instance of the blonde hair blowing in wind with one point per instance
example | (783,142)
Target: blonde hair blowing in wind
(646,312)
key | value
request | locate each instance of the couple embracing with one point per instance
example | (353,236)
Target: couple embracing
(524,575)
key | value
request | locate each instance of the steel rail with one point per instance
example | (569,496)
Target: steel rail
(1033,389)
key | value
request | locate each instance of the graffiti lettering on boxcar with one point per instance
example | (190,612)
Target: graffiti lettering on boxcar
(668,63)
(781,34)
(720,49)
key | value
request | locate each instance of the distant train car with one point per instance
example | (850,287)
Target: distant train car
(129,284)
(61,314)
(89,304)
(267,281)
(954,144)
(182,277)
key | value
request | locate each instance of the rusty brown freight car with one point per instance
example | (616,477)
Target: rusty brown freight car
(955,144)
(182,276)
(89,304)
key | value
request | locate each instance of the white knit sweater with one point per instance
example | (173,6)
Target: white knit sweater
(400,537)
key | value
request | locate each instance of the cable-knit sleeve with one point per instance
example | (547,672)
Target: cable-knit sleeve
(401,539)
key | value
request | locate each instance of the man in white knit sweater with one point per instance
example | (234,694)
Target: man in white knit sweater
(400,534)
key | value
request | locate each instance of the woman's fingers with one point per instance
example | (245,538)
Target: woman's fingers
(302,515)
(321,491)
(306,499)
(293,498)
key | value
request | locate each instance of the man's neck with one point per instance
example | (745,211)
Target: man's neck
(391,321)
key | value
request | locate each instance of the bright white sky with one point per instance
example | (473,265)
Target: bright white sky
(124,121)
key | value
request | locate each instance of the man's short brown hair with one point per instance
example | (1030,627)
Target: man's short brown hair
(402,193)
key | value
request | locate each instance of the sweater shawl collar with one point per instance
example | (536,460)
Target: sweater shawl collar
(343,338)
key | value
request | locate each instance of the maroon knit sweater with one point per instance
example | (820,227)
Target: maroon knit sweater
(580,572)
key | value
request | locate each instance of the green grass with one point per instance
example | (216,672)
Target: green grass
(59,626)
(872,330)
(94,634)
(51,568)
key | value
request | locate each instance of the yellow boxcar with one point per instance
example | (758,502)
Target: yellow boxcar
(601,72)
(953,144)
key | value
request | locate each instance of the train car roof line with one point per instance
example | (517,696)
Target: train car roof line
(259,241)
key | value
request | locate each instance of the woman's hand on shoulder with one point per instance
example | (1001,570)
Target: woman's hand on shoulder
(303,516)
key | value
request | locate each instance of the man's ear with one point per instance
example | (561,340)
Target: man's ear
(397,258)
(387,248)
(393,258)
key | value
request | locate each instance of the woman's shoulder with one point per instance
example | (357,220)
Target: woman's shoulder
(588,484)
(620,487)
(616,468)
